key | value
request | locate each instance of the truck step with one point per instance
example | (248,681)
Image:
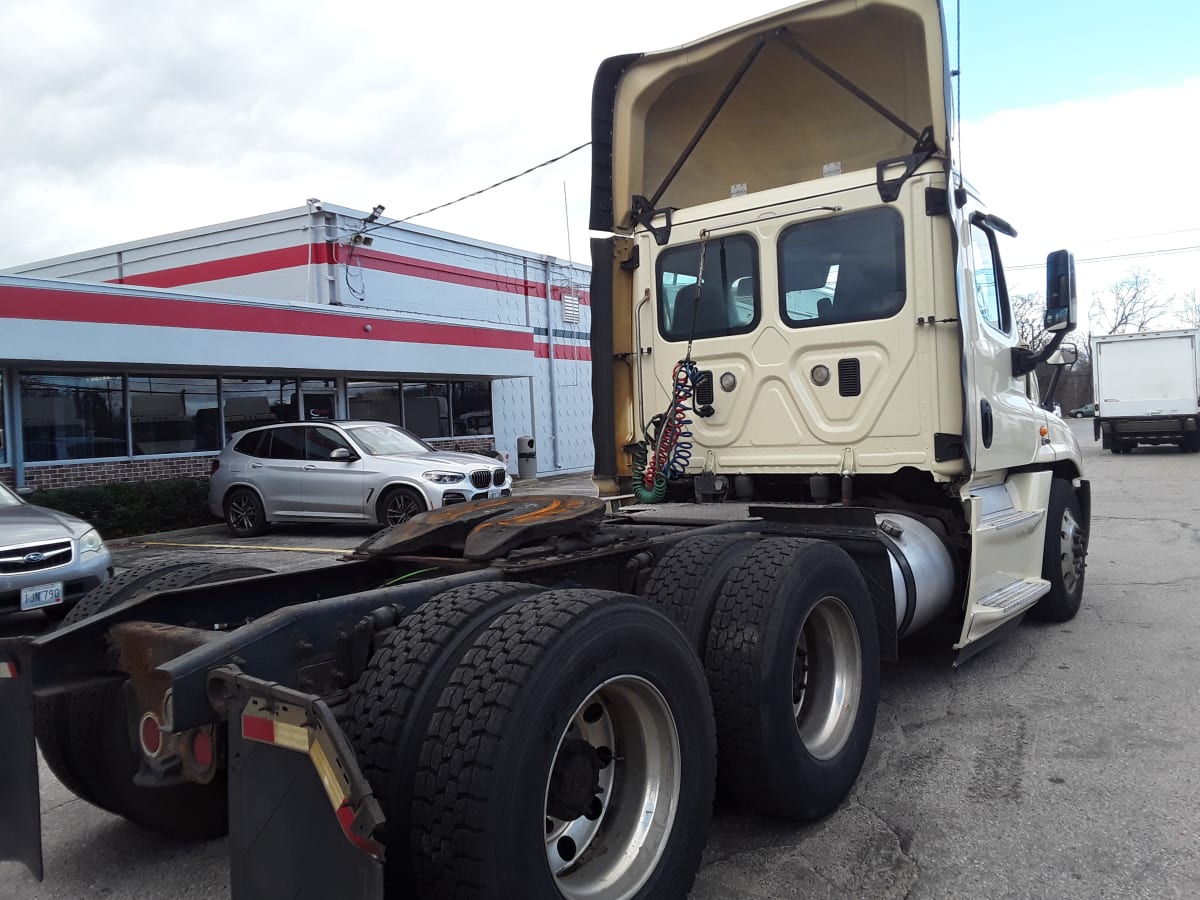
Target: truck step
(1013,597)
(1004,519)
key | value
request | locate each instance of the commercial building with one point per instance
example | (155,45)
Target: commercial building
(139,360)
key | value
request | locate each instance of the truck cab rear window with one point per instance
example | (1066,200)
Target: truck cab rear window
(728,301)
(847,268)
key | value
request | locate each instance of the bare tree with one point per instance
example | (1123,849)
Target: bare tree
(1129,305)
(1027,310)
(1189,309)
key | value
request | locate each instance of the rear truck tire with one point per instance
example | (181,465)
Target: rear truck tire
(1064,557)
(393,701)
(686,582)
(793,666)
(51,717)
(399,505)
(96,736)
(571,755)
(244,513)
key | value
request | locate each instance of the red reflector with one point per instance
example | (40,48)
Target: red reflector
(202,749)
(150,734)
(216,464)
(345,817)
(256,728)
(8,670)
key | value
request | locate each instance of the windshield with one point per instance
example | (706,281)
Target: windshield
(8,498)
(384,440)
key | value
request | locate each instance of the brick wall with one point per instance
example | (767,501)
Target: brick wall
(463,444)
(118,471)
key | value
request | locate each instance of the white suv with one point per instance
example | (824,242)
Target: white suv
(341,472)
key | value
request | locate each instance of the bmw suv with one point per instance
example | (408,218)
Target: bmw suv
(341,472)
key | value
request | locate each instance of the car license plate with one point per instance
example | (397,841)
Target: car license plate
(41,595)
(493,493)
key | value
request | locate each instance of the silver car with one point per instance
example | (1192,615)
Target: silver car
(48,559)
(341,472)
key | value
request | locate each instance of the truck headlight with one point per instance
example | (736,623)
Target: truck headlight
(443,477)
(91,542)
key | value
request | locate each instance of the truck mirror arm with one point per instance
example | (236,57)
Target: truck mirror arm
(1025,361)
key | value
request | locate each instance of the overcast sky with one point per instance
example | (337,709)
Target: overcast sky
(126,120)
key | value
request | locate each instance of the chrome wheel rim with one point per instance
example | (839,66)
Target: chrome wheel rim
(618,757)
(400,508)
(242,513)
(827,678)
(1070,546)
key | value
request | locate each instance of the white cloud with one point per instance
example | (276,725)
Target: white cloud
(1111,177)
(133,119)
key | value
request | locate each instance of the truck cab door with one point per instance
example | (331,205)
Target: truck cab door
(1006,511)
(1003,422)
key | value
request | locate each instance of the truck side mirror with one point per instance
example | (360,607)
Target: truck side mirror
(1060,292)
(1066,355)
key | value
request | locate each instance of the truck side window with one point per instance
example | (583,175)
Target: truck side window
(728,301)
(991,299)
(847,268)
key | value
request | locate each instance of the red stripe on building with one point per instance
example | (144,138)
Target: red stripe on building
(114,309)
(232,267)
(563,351)
(324,253)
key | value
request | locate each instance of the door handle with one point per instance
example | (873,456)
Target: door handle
(310,468)
(985,422)
(256,465)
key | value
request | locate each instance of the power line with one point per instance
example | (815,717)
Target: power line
(540,165)
(1138,254)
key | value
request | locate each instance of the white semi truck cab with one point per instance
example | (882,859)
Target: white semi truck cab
(808,303)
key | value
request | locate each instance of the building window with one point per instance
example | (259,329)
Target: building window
(320,398)
(250,402)
(173,414)
(472,402)
(427,409)
(378,401)
(72,417)
(3,442)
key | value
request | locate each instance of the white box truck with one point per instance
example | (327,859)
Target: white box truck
(1147,389)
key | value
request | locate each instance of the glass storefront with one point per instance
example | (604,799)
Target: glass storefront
(77,417)
(378,401)
(3,443)
(72,416)
(427,408)
(472,403)
(250,402)
(173,414)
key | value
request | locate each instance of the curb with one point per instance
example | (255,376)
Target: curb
(158,535)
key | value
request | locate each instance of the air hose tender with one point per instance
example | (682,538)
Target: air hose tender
(666,448)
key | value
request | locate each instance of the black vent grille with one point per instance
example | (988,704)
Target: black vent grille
(481,478)
(703,383)
(849,377)
(498,477)
(15,560)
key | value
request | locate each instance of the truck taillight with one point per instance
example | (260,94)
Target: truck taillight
(8,670)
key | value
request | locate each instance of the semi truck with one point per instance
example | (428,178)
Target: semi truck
(815,434)
(1147,389)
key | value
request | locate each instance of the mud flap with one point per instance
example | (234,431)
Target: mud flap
(285,838)
(20,794)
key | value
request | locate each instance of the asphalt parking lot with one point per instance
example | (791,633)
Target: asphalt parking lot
(1060,763)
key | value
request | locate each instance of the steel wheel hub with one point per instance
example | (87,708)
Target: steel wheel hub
(827,678)
(612,792)
(1071,551)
